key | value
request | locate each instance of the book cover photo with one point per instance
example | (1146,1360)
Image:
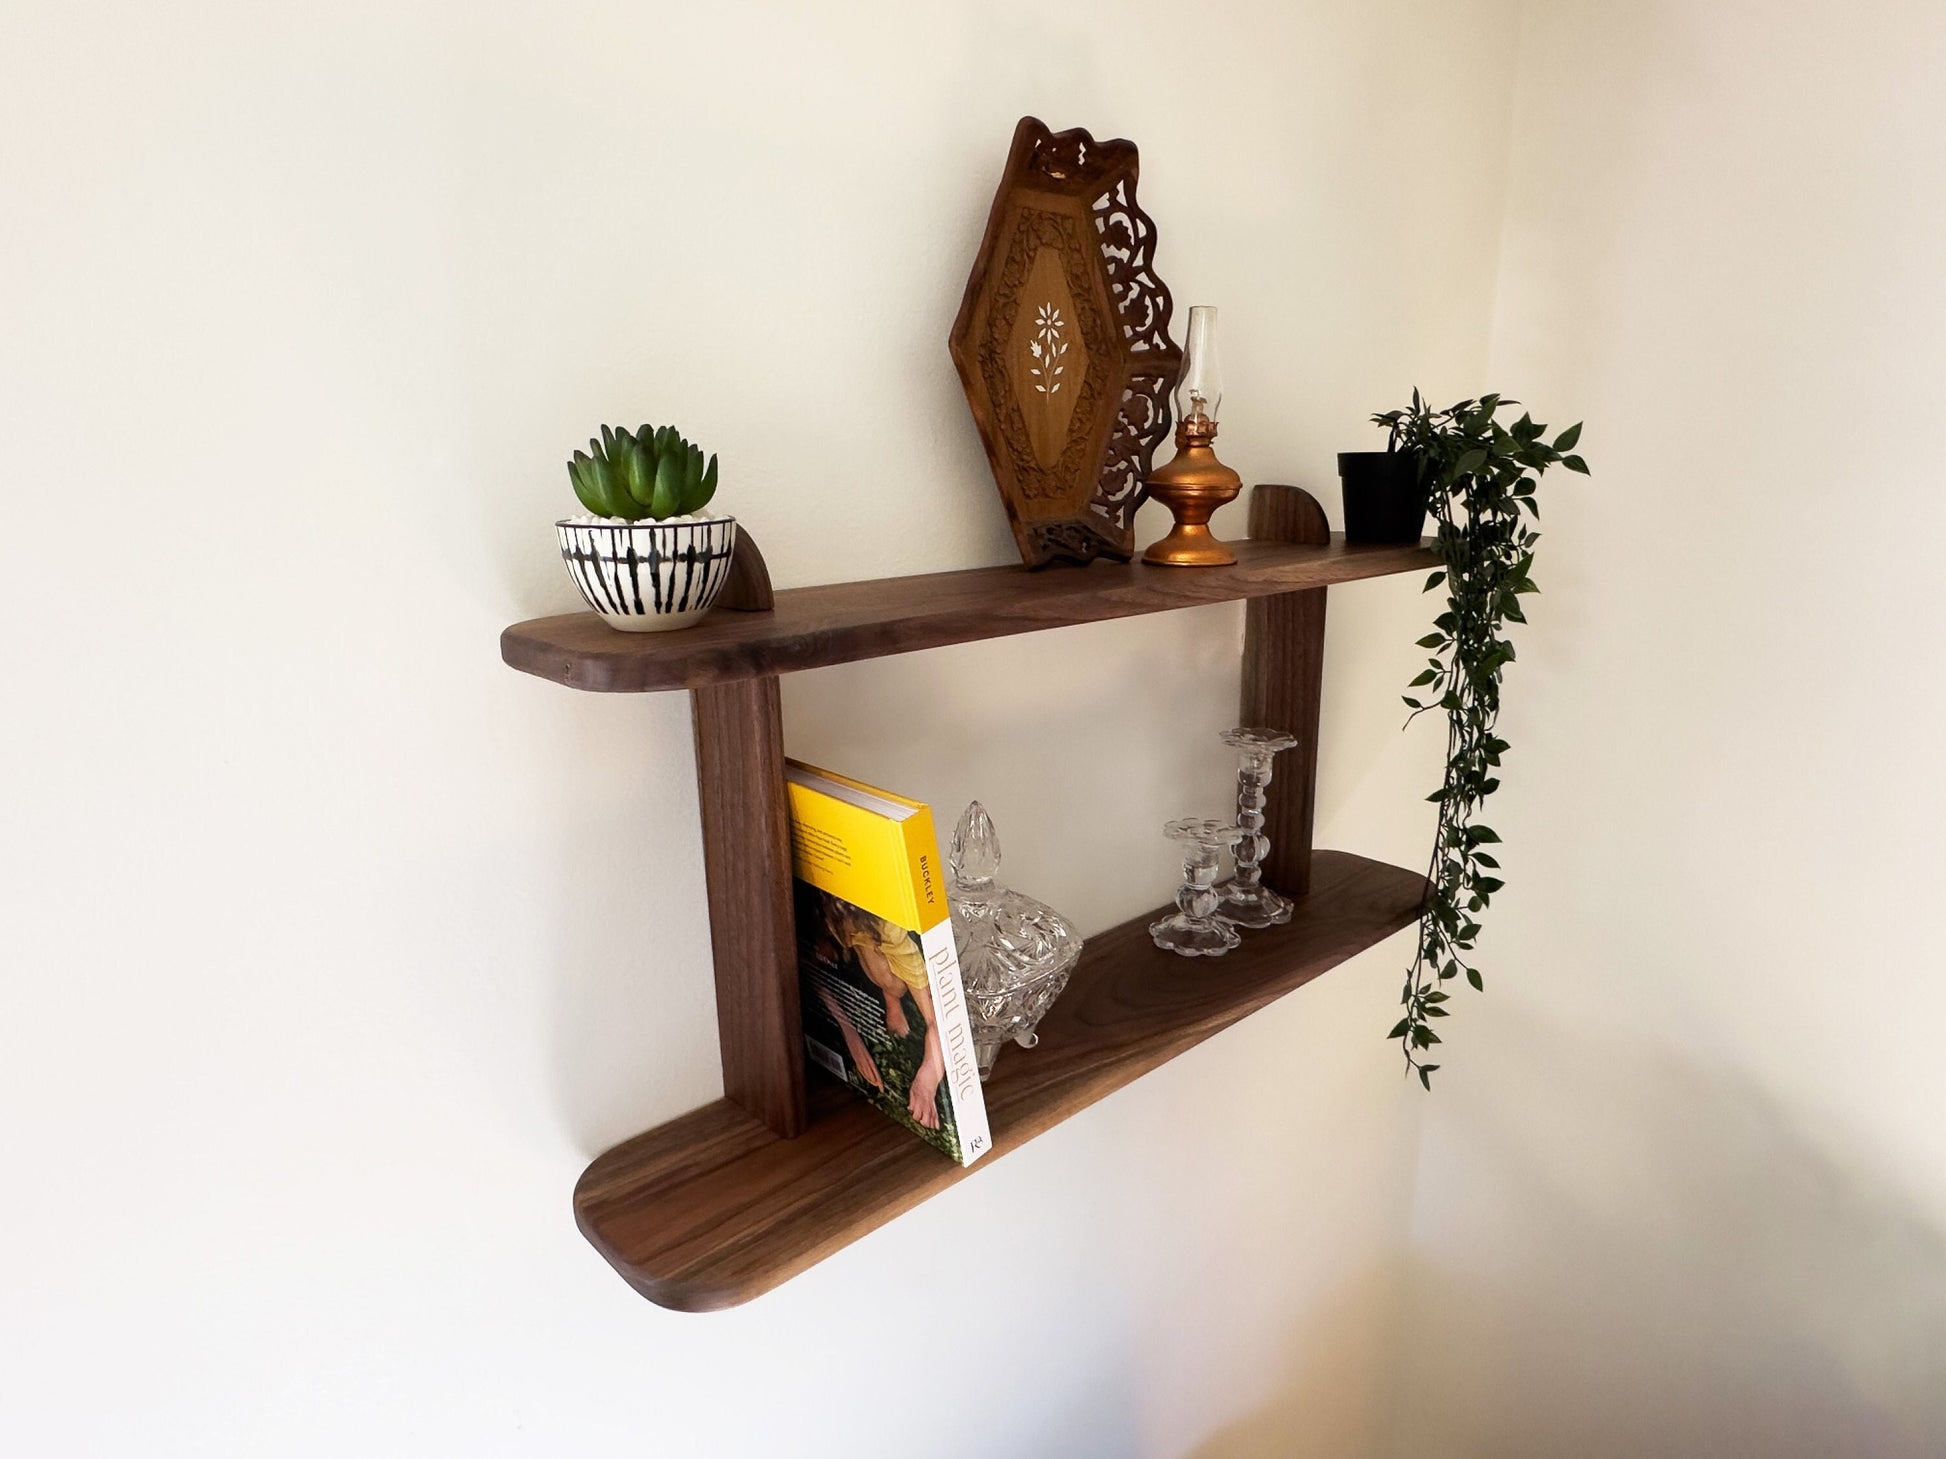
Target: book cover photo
(884,1010)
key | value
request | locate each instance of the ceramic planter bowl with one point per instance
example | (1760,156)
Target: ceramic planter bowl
(646,577)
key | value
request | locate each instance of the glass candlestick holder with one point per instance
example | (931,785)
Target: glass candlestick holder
(1194,929)
(1246,901)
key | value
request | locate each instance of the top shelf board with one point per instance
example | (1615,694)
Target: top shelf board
(811,628)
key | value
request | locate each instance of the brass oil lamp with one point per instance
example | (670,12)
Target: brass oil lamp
(1194,484)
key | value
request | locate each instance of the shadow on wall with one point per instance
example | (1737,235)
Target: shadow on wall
(1334,1351)
(630,996)
(1691,1272)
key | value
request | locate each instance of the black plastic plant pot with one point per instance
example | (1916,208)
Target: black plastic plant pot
(1383,500)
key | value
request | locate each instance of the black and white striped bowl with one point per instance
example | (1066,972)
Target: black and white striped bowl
(643,577)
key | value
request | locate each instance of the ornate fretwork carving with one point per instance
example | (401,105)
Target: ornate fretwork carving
(1141,426)
(1070,461)
(1127,237)
(1082,541)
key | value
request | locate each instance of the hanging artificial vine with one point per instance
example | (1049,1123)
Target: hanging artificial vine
(1478,476)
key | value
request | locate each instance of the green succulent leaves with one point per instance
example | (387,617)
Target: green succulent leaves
(643,473)
(1479,476)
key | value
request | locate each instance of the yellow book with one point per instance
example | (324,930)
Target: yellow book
(884,1009)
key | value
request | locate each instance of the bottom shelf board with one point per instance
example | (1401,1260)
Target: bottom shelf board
(712,1209)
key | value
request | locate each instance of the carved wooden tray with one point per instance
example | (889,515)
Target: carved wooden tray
(1062,343)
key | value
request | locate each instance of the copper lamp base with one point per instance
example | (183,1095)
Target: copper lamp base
(1190,544)
(1192,486)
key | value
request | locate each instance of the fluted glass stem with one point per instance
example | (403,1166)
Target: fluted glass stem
(1253,780)
(1246,901)
(1198,898)
(1195,929)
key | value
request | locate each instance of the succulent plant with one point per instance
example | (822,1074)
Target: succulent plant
(648,473)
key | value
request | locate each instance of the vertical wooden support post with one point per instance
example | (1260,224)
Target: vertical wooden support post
(747,860)
(1283,671)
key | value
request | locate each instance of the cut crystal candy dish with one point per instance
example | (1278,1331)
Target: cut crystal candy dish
(1015,953)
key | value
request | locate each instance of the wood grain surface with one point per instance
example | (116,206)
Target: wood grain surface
(713,1209)
(1062,343)
(748,589)
(747,865)
(1283,676)
(809,628)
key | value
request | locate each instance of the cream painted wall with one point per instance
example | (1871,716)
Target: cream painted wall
(333,949)
(1684,1189)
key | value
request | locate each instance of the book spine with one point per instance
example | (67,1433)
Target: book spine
(934,918)
(956,1041)
(929,906)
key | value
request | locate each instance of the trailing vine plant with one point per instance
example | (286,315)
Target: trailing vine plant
(1479,477)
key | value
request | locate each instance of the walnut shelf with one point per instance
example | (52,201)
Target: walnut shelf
(812,628)
(731,1199)
(712,1209)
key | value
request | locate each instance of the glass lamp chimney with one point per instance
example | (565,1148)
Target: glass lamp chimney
(1199,389)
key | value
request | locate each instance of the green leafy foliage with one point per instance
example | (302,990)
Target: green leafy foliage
(644,473)
(1479,477)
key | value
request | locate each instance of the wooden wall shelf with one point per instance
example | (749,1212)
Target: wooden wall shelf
(727,1201)
(812,628)
(712,1209)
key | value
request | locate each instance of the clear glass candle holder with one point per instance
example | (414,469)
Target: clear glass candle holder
(1246,901)
(1194,929)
